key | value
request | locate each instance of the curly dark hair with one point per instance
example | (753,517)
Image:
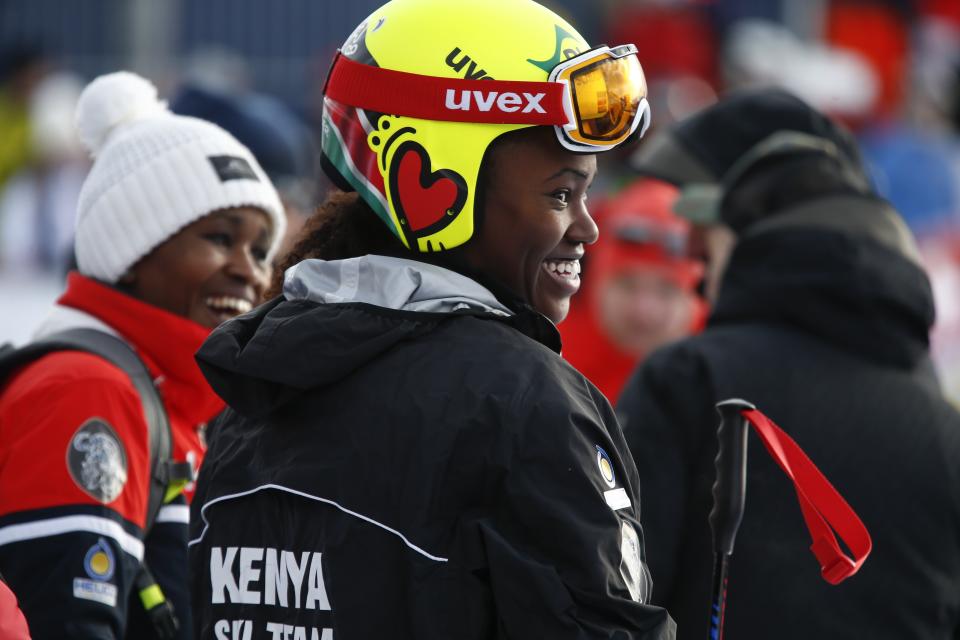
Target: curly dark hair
(344,226)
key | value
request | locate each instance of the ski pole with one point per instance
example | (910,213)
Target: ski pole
(729,494)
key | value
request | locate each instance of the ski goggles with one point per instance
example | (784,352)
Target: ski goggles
(607,91)
(594,101)
(671,240)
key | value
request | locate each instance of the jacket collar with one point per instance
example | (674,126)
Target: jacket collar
(165,341)
(391,283)
(411,285)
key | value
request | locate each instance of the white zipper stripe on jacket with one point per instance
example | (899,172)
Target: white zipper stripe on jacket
(206,523)
(174,513)
(70,524)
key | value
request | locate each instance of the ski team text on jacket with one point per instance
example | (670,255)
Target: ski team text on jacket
(406,457)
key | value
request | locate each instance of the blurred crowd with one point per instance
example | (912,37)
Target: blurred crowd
(889,70)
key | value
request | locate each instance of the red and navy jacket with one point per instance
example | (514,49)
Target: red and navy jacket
(74,469)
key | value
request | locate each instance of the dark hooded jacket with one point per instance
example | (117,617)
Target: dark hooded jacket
(406,457)
(822,322)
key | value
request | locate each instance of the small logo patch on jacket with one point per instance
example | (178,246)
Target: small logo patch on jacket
(606,467)
(99,562)
(233,168)
(97,461)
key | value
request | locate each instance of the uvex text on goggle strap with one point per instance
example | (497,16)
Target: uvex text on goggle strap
(594,101)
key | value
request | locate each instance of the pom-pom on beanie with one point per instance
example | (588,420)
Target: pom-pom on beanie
(153,174)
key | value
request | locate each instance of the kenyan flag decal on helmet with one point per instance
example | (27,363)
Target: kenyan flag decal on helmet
(345,145)
(382,160)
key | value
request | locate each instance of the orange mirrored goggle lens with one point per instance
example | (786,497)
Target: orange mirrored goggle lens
(607,96)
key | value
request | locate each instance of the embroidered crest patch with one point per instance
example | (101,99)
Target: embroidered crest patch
(99,563)
(97,461)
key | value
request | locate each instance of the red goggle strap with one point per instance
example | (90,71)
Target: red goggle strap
(429,97)
(824,509)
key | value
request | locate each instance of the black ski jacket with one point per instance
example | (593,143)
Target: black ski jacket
(825,329)
(406,457)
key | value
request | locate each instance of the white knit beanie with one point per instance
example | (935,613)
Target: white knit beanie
(153,174)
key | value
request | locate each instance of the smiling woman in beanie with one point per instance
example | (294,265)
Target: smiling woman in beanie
(176,227)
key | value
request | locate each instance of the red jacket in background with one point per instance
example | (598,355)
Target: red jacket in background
(13,626)
(638,229)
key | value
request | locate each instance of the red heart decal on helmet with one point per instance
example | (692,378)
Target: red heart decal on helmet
(425,201)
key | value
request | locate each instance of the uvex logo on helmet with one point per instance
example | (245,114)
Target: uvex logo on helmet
(506,102)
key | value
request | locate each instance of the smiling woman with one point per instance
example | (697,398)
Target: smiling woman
(535,219)
(535,225)
(176,228)
(400,405)
(212,270)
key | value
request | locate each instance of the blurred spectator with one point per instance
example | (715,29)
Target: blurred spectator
(38,201)
(822,320)
(936,56)
(879,32)
(914,169)
(762,54)
(639,288)
(21,69)
(281,143)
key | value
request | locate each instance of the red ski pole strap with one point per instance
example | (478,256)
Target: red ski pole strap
(824,509)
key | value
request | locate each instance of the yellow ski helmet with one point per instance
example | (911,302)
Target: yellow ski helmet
(422,87)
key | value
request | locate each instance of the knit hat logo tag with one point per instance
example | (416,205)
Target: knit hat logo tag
(232,168)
